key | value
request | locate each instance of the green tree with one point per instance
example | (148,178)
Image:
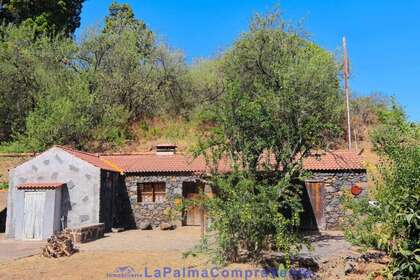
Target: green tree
(281,99)
(394,224)
(49,16)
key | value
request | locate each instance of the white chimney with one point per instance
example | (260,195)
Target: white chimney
(165,149)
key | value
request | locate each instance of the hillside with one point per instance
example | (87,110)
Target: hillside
(145,136)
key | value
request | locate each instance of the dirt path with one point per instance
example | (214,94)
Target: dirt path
(181,239)
(132,252)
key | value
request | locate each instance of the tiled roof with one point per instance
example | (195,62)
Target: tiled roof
(154,163)
(334,160)
(44,185)
(93,159)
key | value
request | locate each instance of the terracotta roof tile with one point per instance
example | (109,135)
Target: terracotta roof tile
(334,160)
(151,162)
(43,185)
(93,159)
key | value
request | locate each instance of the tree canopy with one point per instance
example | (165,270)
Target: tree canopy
(281,99)
(50,16)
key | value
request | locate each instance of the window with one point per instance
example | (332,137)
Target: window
(151,192)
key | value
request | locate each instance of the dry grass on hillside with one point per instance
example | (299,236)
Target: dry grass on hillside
(7,163)
(147,134)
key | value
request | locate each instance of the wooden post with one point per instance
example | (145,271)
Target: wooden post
(346,90)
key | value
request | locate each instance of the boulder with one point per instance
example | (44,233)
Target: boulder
(166,226)
(116,230)
(349,268)
(145,226)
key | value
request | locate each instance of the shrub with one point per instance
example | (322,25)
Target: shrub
(394,224)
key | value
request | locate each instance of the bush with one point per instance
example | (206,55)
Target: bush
(394,224)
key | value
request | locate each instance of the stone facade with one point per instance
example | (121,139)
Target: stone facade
(154,212)
(335,184)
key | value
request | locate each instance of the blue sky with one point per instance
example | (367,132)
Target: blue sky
(383,36)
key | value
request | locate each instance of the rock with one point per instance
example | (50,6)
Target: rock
(145,226)
(115,230)
(349,268)
(166,226)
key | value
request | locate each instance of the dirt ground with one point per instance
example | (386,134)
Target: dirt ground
(132,252)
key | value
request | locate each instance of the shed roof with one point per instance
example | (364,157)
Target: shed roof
(93,159)
(40,185)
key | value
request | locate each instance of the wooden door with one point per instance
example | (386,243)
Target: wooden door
(315,194)
(192,215)
(33,215)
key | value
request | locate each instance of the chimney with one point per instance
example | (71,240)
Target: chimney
(165,149)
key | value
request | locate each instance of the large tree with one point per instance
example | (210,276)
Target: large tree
(44,15)
(281,100)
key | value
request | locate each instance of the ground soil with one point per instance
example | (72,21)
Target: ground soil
(158,249)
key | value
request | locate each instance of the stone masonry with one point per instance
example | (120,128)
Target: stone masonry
(154,212)
(336,183)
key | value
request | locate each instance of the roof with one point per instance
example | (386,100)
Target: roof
(93,159)
(155,163)
(334,160)
(43,185)
(152,162)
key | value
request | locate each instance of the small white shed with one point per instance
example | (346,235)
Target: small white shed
(59,188)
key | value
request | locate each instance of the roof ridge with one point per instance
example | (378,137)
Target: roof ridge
(110,165)
(77,151)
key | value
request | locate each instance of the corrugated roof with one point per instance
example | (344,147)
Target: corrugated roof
(38,185)
(152,162)
(93,159)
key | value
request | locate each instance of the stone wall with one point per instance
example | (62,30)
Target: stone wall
(336,183)
(153,212)
(86,233)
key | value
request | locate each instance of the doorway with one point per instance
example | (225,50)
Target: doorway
(313,206)
(192,216)
(33,215)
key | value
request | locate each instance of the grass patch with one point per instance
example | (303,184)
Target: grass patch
(163,130)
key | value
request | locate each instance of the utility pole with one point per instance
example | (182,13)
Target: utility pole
(346,90)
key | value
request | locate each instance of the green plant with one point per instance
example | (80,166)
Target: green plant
(393,224)
(4,186)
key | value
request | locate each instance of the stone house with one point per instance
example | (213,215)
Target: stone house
(152,180)
(127,190)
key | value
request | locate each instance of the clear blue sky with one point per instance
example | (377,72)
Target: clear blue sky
(383,36)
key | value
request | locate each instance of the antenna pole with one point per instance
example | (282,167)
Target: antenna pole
(347,91)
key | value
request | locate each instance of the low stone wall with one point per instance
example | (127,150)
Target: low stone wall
(154,212)
(87,233)
(336,183)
